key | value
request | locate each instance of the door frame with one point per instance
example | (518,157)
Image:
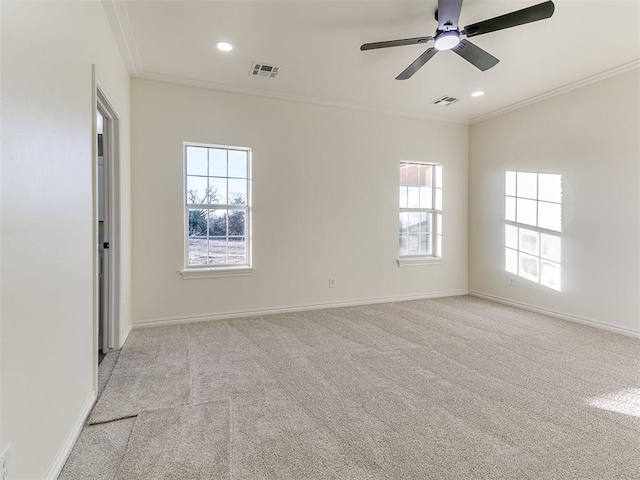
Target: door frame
(111,172)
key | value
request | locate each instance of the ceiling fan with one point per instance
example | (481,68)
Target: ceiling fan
(448,34)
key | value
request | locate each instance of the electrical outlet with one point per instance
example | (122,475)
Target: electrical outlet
(332,282)
(4,463)
(512,281)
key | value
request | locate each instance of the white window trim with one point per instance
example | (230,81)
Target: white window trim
(425,259)
(417,260)
(194,273)
(189,272)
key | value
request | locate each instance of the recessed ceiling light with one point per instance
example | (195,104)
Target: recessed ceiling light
(478,93)
(224,46)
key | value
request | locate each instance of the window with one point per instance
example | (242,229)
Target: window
(533,213)
(217,207)
(420,236)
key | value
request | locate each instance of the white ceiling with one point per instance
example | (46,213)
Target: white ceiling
(316,44)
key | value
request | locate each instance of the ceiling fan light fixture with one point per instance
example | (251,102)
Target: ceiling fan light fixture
(447,40)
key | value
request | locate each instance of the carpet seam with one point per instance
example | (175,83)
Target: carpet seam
(126,448)
(115,419)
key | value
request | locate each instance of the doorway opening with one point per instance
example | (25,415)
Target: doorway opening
(107,223)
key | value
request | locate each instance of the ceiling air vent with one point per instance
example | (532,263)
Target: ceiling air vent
(264,70)
(445,101)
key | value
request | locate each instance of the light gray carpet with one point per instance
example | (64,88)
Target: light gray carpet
(183,443)
(99,449)
(451,388)
(105,369)
(98,452)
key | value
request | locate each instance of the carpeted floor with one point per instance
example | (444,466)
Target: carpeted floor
(450,388)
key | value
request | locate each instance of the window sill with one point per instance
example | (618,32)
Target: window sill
(193,273)
(417,261)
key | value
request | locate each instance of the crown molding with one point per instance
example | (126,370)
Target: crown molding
(116,11)
(625,67)
(188,82)
(120,24)
(118,17)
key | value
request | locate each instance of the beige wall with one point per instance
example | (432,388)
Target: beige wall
(590,137)
(47,353)
(325,190)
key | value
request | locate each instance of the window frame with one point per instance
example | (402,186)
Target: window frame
(212,270)
(435,256)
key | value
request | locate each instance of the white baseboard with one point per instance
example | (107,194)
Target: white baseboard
(74,433)
(561,315)
(163,322)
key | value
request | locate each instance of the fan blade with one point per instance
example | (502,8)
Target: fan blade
(395,43)
(417,65)
(449,12)
(513,19)
(475,55)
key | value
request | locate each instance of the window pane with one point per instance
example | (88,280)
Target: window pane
(403,173)
(196,189)
(237,191)
(217,251)
(528,266)
(404,197)
(425,244)
(238,163)
(550,274)
(218,223)
(510,184)
(438,252)
(439,226)
(526,211)
(413,175)
(425,175)
(404,245)
(550,187)
(425,223)
(550,247)
(235,260)
(196,161)
(511,261)
(197,222)
(527,185)
(426,197)
(217,162)
(414,197)
(404,222)
(510,209)
(511,236)
(237,246)
(236,223)
(197,250)
(197,244)
(218,190)
(438,199)
(550,216)
(414,244)
(438,169)
(529,242)
(414,222)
